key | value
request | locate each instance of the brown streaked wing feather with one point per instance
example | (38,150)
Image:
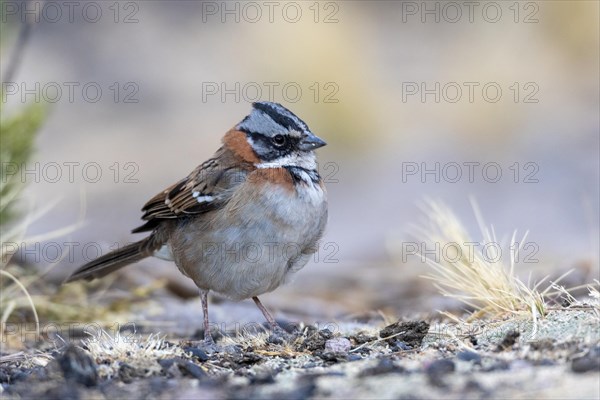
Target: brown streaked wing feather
(211,178)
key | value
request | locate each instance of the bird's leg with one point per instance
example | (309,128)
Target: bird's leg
(208,340)
(274,325)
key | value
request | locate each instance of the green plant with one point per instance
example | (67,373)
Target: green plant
(17,135)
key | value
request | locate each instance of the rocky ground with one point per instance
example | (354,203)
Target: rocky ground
(515,357)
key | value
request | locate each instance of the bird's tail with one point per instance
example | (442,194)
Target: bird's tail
(116,259)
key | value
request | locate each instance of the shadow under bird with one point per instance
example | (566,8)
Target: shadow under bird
(260,193)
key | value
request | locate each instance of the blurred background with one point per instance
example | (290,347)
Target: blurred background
(497,101)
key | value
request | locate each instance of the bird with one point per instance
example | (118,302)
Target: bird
(242,222)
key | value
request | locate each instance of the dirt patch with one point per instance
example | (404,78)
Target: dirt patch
(405,335)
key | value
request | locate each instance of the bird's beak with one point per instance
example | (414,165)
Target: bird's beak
(311,142)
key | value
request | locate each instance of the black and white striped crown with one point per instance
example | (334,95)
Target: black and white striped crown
(270,119)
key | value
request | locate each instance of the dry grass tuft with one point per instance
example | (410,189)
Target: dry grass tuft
(472,273)
(16,281)
(27,360)
(110,352)
(15,294)
(247,338)
(24,293)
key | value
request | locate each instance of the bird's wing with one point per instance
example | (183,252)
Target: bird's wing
(208,187)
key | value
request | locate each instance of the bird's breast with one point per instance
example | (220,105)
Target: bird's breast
(248,247)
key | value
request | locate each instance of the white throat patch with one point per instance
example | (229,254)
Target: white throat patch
(302,160)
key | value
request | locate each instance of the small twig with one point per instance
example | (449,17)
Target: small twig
(12,357)
(376,341)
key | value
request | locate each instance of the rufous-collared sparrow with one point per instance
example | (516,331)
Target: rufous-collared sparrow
(242,222)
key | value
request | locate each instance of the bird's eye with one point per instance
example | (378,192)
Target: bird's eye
(279,140)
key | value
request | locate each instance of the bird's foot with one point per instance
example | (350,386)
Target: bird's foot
(209,346)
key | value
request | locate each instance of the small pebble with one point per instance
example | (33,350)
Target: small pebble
(288,326)
(440,367)
(191,369)
(276,338)
(165,363)
(232,349)
(332,357)
(587,363)
(78,366)
(509,341)
(362,337)
(326,333)
(411,333)
(385,366)
(39,374)
(175,367)
(467,355)
(20,376)
(127,372)
(338,345)
(196,353)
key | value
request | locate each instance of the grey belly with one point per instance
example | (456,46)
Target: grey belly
(249,252)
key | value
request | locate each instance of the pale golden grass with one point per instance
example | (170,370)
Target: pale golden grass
(486,282)
(23,289)
(15,294)
(246,338)
(259,342)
